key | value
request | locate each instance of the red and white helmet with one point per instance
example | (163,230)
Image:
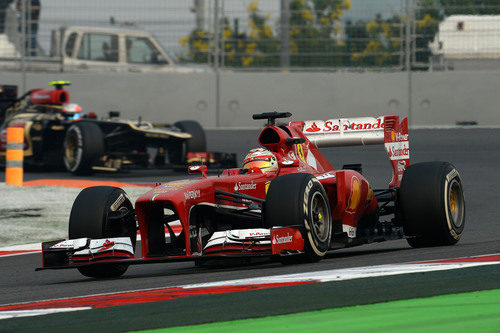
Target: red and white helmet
(261,158)
(72,111)
(71,108)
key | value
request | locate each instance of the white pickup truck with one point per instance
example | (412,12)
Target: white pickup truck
(118,49)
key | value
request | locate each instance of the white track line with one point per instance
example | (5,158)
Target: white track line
(29,313)
(318,276)
(347,273)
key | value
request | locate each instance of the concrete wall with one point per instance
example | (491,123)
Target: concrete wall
(439,98)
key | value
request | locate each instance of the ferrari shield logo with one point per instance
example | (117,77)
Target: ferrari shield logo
(300,152)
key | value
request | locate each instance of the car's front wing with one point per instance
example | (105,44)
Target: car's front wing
(226,244)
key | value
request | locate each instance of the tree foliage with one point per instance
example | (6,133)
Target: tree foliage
(470,7)
(382,43)
(319,38)
(315,29)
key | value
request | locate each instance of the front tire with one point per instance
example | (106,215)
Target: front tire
(432,204)
(197,143)
(300,200)
(83,146)
(103,212)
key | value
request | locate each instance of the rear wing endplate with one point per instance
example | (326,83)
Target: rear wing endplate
(385,130)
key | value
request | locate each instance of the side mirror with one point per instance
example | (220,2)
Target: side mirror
(159,59)
(289,163)
(193,169)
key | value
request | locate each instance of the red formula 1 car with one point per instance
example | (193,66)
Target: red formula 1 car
(286,201)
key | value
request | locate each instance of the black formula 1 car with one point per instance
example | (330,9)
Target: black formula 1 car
(59,134)
(287,201)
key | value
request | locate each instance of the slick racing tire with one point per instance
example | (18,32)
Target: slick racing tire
(300,200)
(432,204)
(83,146)
(197,143)
(95,215)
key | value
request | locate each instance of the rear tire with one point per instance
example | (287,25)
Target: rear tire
(300,200)
(83,146)
(92,216)
(432,204)
(197,143)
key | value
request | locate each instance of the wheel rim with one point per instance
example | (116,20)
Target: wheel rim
(319,214)
(456,203)
(70,149)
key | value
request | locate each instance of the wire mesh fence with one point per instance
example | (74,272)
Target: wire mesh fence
(456,35)
(252,35)
(300,34)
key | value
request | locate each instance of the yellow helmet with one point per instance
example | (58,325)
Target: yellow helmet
(261,158)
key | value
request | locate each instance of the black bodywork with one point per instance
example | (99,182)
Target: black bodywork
(124,144)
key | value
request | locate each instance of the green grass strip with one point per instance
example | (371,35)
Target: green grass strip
(466,312)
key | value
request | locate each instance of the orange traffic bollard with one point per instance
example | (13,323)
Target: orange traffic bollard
(14,156)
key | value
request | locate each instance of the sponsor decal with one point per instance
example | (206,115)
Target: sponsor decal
(257,233)
(398,150)
(291,155)
(286,239)
(193,194)
(243,187)
(167,189)
(314,128)
(63,245)
(283,239)
(355,196)
(154,197)
(172,186)
(326,175)
(106,246)
(401,165)
(178,183)
(398,137)
(117,203)
(267,186)
(452,174)
(400,169)
(346,125)
(40,96)
(287,162)
(259,152)
(350,231)
(401,137)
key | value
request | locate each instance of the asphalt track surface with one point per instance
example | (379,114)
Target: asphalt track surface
(475,153)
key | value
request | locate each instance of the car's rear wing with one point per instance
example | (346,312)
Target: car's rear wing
(385,130)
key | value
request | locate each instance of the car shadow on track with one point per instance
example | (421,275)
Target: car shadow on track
(354,253)
(267,266)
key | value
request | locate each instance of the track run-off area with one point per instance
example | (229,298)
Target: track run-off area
(377,287)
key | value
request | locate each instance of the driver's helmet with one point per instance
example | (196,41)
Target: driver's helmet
(72,110)
(261,158)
